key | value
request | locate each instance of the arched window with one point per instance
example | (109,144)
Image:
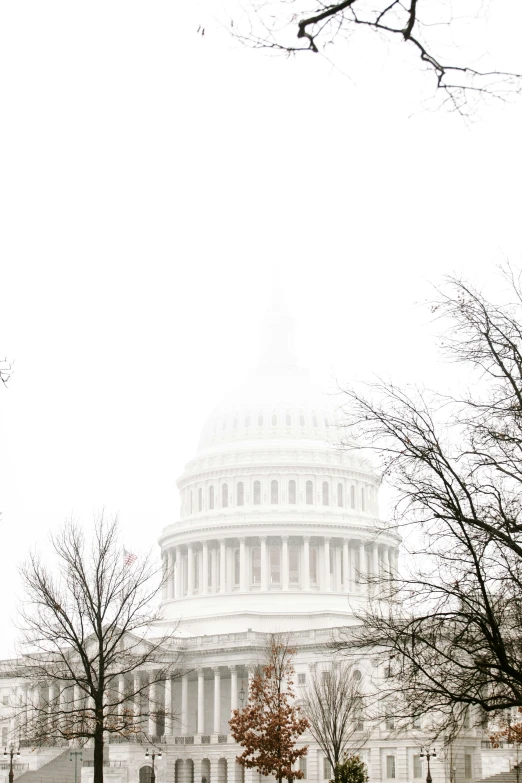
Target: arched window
(224,496)
(274,491)
(288,420)
(257,493)
(352,497)
(309,493)
(200,499)
(260,421)
(240,491)
(340,495)
(292,492)
(145,774)
(314,421)
(293,565)
(363,499)
(356,676)
(236,567)
(274,419)
(313,565)
(211,497)
(247,421)
(256,565)
(326,494)
(301,420)
(275,565)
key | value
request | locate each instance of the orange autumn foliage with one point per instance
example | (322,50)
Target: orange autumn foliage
(270,724)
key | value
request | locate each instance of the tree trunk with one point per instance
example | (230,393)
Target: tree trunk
(98,747)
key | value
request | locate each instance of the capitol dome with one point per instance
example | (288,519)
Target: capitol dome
(278,525)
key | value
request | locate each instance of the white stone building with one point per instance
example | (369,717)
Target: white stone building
(277,528)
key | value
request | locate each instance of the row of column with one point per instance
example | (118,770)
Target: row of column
(372,560)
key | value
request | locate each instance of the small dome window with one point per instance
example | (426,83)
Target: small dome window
(301,420)
(274,491)
(211,497)
(224,496)
(240,492)
(352,497)
(274,419)
(257,493)
(314,421)
(288,420)
(326,494)
(292,493)
(340,495)
(363,499)
(260,421)
(200,499)
(309,493)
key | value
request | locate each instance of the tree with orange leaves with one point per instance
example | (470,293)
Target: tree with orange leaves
(270,724)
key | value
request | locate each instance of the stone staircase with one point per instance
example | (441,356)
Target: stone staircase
(504,777)
(58,770)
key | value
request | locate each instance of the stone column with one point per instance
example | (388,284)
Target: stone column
(168,705)
(306,563)
(121,694)
(152,705)
(284,563)
(170,574)
(346,565)
(137,698)
(386,563)
(190,569)
(201,702)
(242,565)
(362,567)
(184,703)
(376,586)
(326,568)
(263,563)
(204,570)
(178,589)
(222,566)
(217,700)
(233,688)
(214,556)
(164,571)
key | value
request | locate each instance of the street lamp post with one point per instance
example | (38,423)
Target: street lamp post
(75,753)
(152,756)
(11,753)
(428,754)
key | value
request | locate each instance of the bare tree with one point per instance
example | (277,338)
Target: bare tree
(428,29)
(452,629)
(87,624)
(333,704)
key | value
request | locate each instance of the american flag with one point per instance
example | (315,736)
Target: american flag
(128,558)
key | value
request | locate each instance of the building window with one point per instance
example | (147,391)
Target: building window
(327,769)
(302,767)
(240,491)
(313,565)
(326,422)
(326,494)
(293,565)
(309,493)
(274,491)
(417,767)
(352,497)
(301,678)
(465,720)
(292,492)
(234,424)
(363,499)
(256,565)
(390,767)
(358,715)
(191,502)
(389,719)
(340,502)
(417,722)
(274,419)
(236,567)
(288,420)
(314,421)
(4,736)
(200,499)
(301,420)
(224,424)
(224,496)
(468,769)
(211,497)
(275,565)
(247,421)
(257,493)
(260,421)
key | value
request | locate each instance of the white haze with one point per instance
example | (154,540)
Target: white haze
(153,183)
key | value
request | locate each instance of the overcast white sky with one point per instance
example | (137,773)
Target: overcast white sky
(151,180)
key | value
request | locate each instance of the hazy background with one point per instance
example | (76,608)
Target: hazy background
(153,182)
